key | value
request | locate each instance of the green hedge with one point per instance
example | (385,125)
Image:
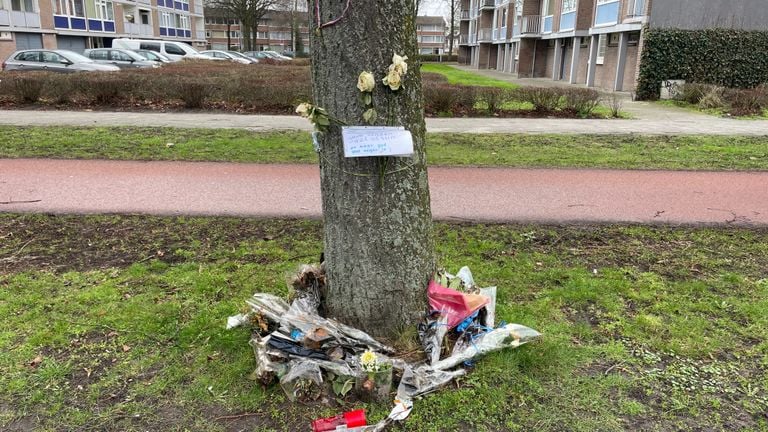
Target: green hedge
(729,58)
(444,58)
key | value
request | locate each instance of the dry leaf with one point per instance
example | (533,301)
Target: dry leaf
(36,362)
(126,348)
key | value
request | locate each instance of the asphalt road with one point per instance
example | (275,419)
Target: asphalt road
(459,194)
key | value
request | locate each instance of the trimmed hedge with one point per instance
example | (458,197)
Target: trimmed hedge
(263,88)
(435,58)
(725,57)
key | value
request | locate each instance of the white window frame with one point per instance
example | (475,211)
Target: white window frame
(105,10)
(602,45)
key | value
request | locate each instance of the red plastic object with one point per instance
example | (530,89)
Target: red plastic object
(458,306)
(351,419)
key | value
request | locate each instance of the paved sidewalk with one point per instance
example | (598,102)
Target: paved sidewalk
(657,121)
(463,194)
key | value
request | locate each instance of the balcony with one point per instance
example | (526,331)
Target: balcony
(484,35)
(487,4)
(5,18)
(200,35)
(25,19)
(531,24)
(464,15)
(463,40)
(198,8)
(607,13)
(132,29)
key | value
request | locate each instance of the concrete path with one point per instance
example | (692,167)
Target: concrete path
(464,194)
(656,121)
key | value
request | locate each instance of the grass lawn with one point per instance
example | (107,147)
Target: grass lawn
(514,150)
(457,76)
(117,323)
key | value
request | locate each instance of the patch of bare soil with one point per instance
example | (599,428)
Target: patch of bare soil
(63,243)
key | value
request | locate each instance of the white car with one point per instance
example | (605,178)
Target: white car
(175,51)
(224,55)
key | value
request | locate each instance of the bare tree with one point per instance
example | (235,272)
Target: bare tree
(249,13)
(379,251)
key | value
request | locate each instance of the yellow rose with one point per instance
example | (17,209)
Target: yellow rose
(366,82)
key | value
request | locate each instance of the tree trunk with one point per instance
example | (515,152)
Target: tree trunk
(453,23)
(379,251)
(246,35)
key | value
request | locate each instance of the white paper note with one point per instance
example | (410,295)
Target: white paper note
(364,141)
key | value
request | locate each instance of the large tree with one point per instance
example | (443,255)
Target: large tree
(249,13)
(379,251)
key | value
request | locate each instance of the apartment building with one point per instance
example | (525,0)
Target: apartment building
(592,42)
(431,34)
(80,24)
(274,31)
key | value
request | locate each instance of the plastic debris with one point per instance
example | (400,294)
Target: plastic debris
(350,419)
(490,308)
(303,381)
(456,305)
(509,336)
(299,345)
(431,334)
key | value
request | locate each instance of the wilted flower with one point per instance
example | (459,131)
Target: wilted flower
(303,109)
(366,82)
(397,69)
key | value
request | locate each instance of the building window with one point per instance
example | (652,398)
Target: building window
(105,10)
(602,42)
(569,6)
(633,38)
(144,16)
(76,8)
(548,7)
(23,5)
(613,39)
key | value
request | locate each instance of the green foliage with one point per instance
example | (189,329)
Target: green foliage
(725,57)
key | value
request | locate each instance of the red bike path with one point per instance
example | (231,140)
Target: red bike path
(458,194)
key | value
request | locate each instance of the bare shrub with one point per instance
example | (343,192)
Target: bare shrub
(580,100)
(543,99)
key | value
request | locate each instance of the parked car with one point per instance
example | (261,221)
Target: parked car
(251,60)
(54,61)
(175,51)
(124,59)
(257,55)
(153,56)
(224,55)
(288,53)
(276,56)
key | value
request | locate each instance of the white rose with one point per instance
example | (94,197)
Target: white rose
(399,63)
(303,109)
(366,82)
(392,80)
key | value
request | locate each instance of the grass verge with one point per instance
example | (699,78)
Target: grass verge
(457,76)
(116,323)
(513,150)
(719,112)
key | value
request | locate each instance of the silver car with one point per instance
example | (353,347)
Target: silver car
(122,58)
(223,55)
(54,61)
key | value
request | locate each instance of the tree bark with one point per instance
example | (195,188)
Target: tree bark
(379,250)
